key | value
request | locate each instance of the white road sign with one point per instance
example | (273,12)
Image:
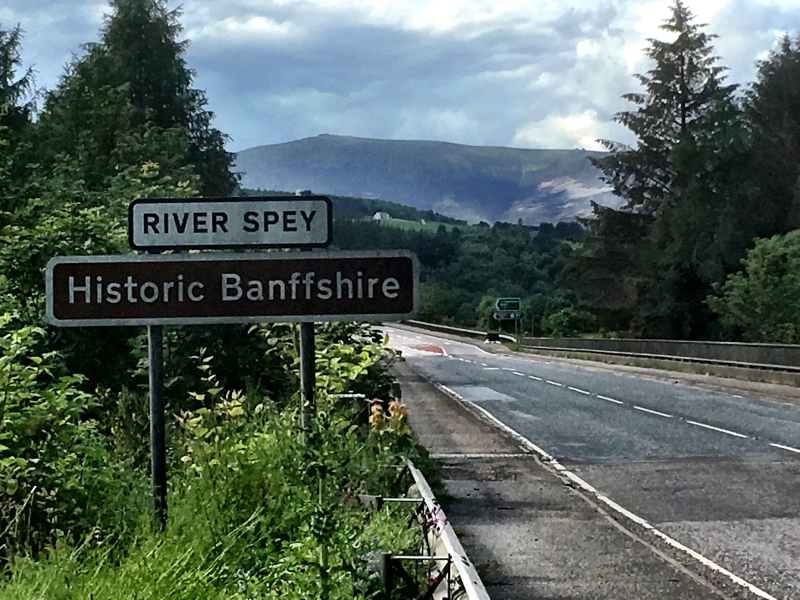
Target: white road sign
(206,223)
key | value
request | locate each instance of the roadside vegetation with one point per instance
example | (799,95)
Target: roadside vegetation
(712,176)
(256,510)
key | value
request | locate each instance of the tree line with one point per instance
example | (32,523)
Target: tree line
(465,268)
(703,247)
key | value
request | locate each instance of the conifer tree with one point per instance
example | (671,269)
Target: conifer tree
(773,107)
(134,89)
(16,108)
(684,84)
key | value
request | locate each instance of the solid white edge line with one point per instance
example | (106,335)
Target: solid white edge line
(789,448)
(580,391)
(729,432)
(555,383)
(652,412)
(609,399)
(607,501)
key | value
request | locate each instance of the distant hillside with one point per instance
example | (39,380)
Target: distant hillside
(474,183)
(360,208)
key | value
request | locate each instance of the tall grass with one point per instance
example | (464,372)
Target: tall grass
(255,509)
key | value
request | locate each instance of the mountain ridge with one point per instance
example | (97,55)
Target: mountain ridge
(474,183)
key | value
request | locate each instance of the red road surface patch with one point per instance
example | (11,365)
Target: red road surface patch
(434,349)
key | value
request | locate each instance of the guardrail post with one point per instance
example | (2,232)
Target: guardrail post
(385,573)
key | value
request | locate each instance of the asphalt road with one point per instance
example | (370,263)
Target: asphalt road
(718,473)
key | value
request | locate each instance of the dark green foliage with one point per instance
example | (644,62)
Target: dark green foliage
(466,268)
(59,477)
(773,109)
(762,302)
(130,100)
(683,85)
(701,233)
(16,108)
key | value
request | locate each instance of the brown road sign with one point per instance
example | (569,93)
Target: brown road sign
(231,288)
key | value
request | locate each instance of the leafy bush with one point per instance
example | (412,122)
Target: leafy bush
(762,302)
(58,475)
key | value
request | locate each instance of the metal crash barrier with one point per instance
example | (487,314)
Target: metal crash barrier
(454,566)
(449,573)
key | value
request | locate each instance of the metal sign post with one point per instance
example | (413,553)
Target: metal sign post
(308,376)
(158,439)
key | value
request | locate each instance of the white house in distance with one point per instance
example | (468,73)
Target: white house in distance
(381,216)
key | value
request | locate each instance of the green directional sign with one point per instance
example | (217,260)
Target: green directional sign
(508,304)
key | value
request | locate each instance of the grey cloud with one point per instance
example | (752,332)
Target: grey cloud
(344,76)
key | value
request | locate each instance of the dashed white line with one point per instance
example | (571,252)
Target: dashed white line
(729,432)
(580,391)
(484,365)
(789,448)
(609,399)
(610,503)
(507,369)
(652,412)
(555,383)
(518,373)
(491,369)
(534,377)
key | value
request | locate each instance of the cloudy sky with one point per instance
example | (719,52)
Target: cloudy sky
(522,73)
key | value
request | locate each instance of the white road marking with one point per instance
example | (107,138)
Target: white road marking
(607,501)
(555,383)
(535,378)
(580,391)
(507,369)
(789,448)
(729,432)
(609,399)
(652,412)
(484,365)
(491,369)
(518,373)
